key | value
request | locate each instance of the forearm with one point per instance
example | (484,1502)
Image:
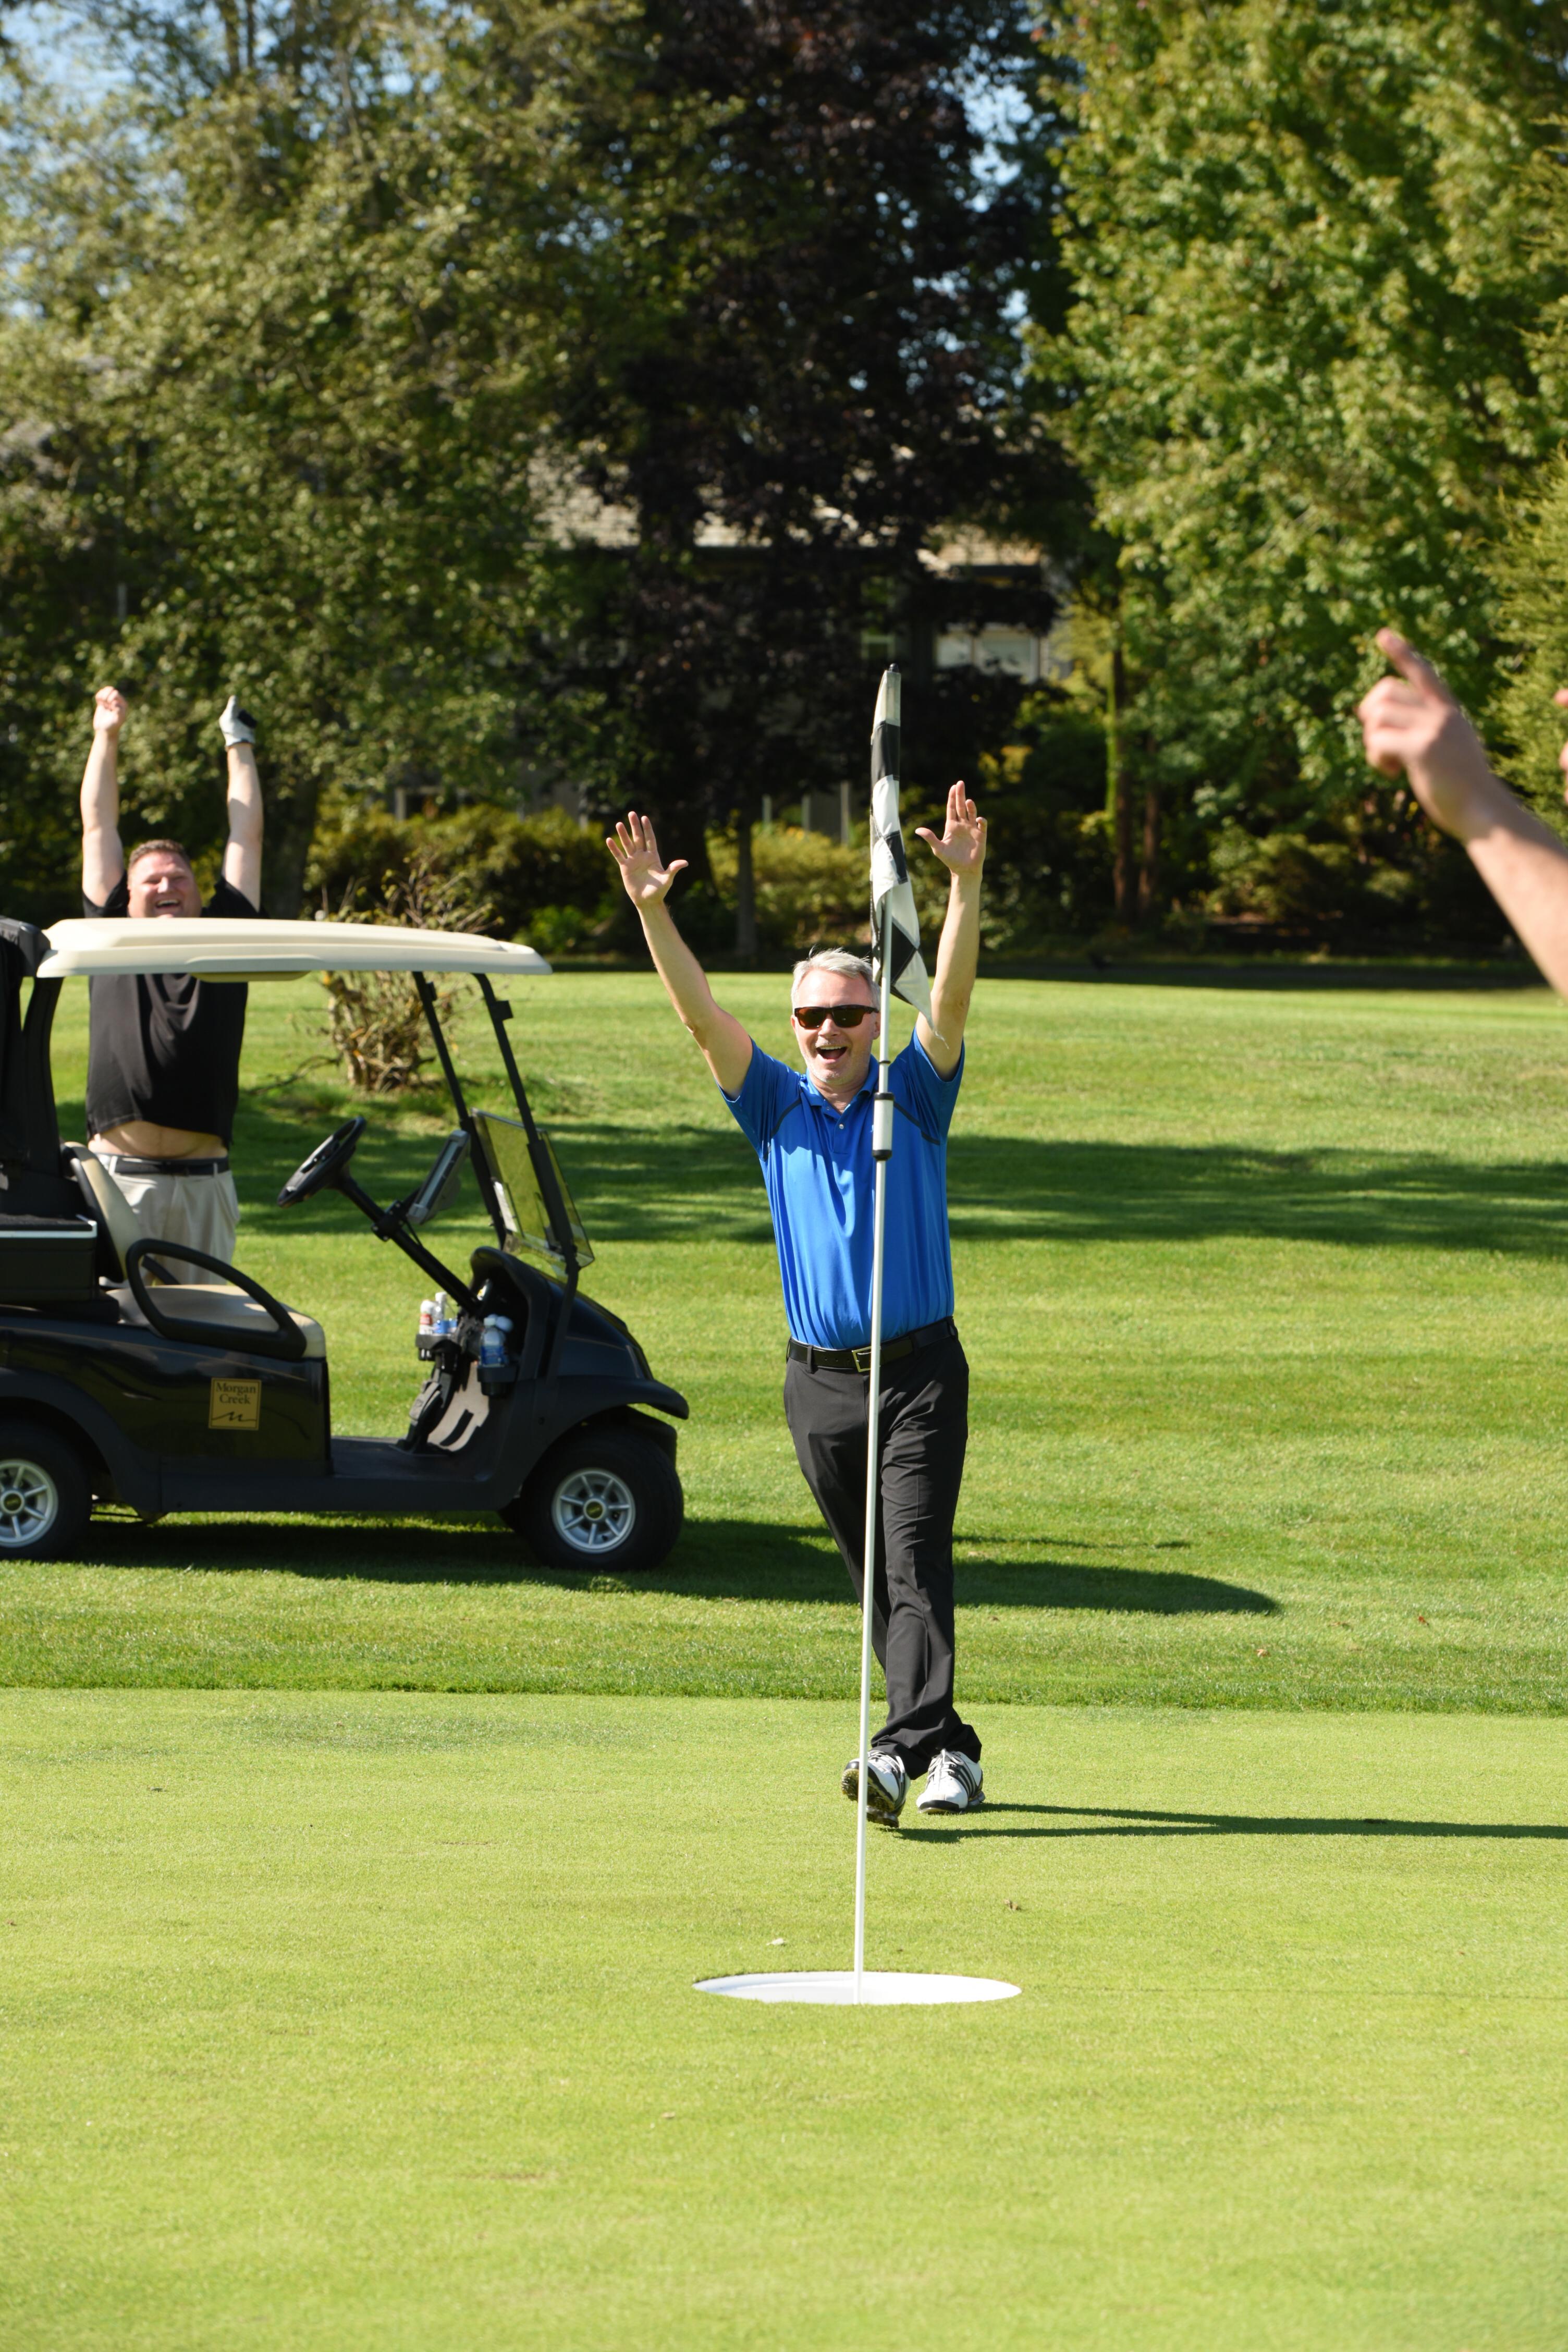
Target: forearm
(1525,868)
(724,1042)
(102,861)
(686,982)
(242,857)
(957,960)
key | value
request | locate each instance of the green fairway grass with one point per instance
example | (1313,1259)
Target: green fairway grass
(345,2000)
(339,2022)
(1265,1292)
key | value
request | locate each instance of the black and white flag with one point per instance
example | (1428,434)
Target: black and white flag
(890,891)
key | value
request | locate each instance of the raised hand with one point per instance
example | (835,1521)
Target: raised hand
(107,710)
(645,878)
(1413,726)
(962,849)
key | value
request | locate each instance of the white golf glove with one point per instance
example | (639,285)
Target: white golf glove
(235,725)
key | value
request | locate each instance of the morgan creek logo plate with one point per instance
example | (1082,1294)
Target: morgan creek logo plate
(236,1404)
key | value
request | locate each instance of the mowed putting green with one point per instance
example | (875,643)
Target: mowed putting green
(367,2021)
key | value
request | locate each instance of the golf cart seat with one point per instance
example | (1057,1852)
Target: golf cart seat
(219,1306)
(107,1204)
(226,1312)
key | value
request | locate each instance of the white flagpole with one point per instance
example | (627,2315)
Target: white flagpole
(881,1151)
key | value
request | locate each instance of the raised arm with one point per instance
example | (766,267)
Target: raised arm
(242,852)
(646,879)
(1412,726)
(962,850)
(103,858)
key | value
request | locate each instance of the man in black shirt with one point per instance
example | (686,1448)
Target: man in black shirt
(162,1074)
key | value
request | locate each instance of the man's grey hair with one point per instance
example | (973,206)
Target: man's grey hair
(838,960)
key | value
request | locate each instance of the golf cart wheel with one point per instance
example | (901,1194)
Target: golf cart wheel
(606,1500)
(46,1497)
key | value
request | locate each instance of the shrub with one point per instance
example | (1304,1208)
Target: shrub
(518,866)
(375,1018)
(1281,878)
(810,891)
(1048,859)
(1366,886)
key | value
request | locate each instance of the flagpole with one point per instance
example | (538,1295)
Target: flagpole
(885,740)
(881,1152)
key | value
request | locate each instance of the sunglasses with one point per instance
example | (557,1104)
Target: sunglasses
(844,1016)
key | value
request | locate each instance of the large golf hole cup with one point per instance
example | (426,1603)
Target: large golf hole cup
(879,1988)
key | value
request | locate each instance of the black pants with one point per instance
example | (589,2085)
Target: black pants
(925,1430)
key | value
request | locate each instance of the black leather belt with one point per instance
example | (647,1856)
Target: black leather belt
(858,1360)
(123,1165)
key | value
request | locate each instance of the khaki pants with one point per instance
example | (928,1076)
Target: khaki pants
(200,1210)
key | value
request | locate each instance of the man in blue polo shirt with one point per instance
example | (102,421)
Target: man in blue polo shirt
(810,1129)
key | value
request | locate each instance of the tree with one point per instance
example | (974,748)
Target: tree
(790,359)
(267,431)
(1300,238)
(315,319)
(1532,558)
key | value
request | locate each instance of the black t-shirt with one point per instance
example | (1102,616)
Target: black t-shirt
(164,1049)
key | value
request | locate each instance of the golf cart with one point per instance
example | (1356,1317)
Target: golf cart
(122,1380)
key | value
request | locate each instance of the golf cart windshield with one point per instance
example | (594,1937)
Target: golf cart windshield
(519,1193)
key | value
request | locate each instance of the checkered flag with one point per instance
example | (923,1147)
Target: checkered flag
(890,891)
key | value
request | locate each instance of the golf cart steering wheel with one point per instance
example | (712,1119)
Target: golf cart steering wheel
(325,1164)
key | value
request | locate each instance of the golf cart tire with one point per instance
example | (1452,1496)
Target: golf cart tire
(606,1498)
(45,1493)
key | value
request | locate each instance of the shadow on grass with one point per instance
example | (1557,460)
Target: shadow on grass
(682,1180)
(688,1181)
(1288,975)
(1125,1820)
(655,1185)
(1005,1187)
(716,1559)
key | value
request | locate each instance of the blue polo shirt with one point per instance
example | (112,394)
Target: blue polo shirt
(817,1167)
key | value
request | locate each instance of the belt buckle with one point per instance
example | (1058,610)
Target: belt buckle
(861,1359)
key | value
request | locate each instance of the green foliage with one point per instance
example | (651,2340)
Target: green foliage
(1370,878)
(810,891)
(1047,866)
(565,391)
(265,430)
(789,357)
(318,329)
(376,1021)
(1532,571)
(1531,566)
(1300,241)
(520,867)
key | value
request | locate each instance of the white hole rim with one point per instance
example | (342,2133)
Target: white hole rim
(881,1987)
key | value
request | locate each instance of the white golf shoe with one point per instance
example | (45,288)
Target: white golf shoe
(887,1786)
(955,1784)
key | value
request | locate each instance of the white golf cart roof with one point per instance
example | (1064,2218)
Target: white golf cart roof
(255,948)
